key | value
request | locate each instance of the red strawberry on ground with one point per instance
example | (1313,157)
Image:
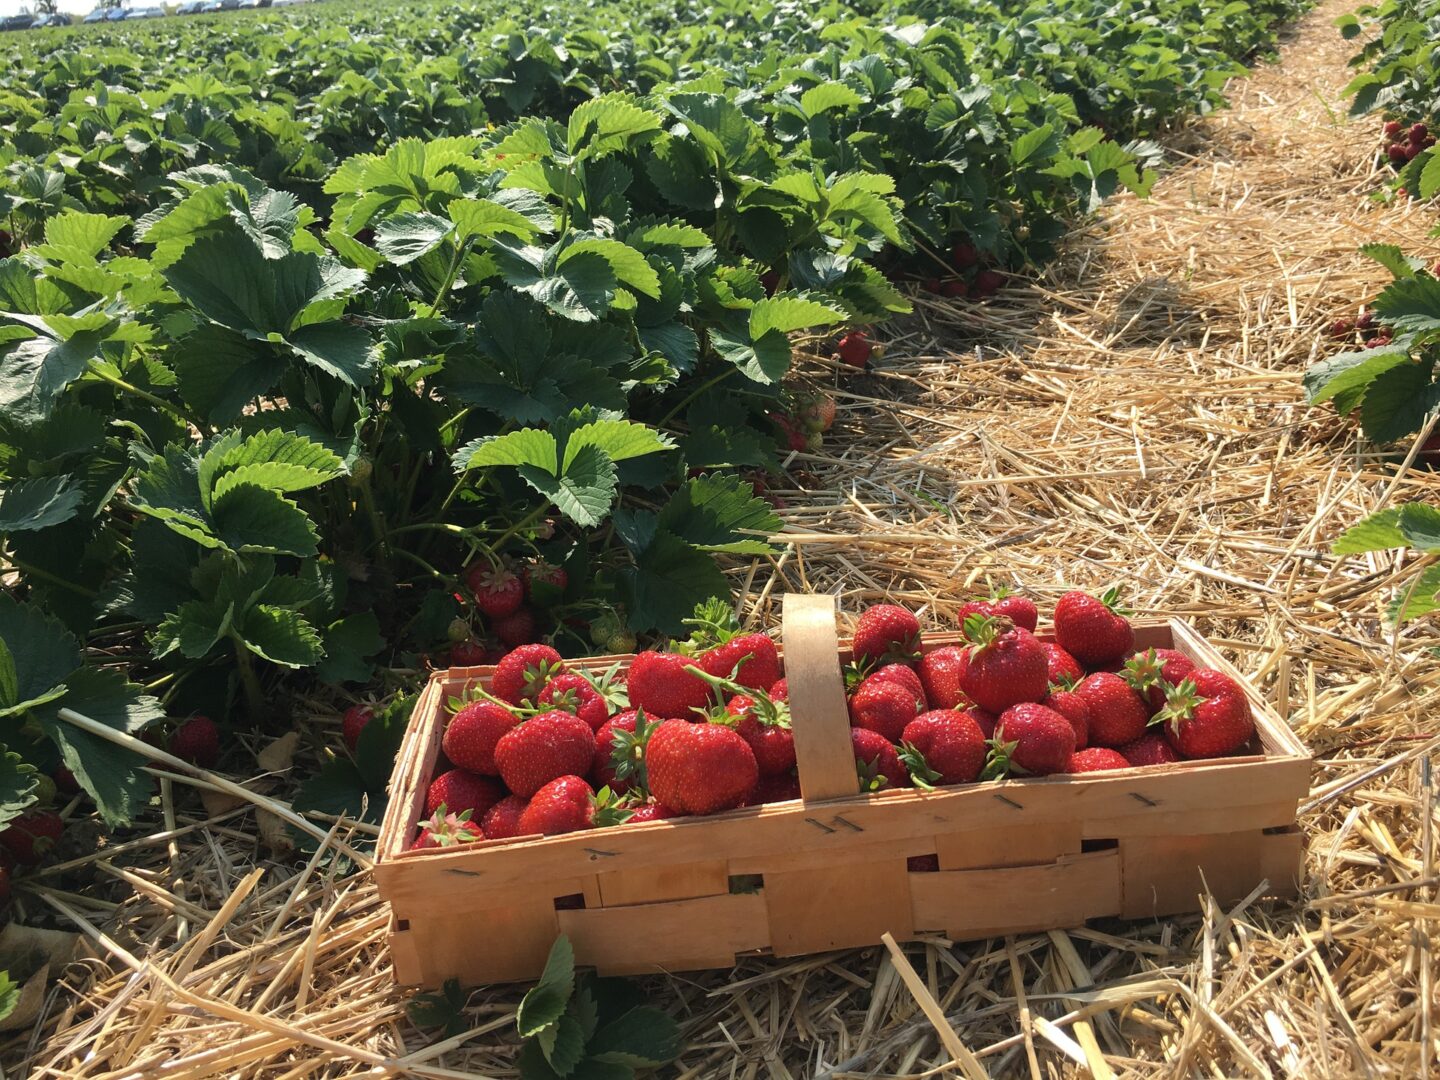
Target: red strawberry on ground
(516,629)
(353,723)
(760,668)
(1074,708)
(1117,714)
(940,672)
(470,737)
(1152,748)
(1092,629)
(956,289)
(543,581)
(461,790)
(564,805)
(197,741)
(1062,668)
(817,412)
(446,829)
(574,693)
(1393,128)
(522,673)
(964,255)
(884,633)
(660,684)
(467,654)
(943,747)
(31,836)
(1207,715)
(1151,672)
(545,747)
(1096,759)
(700,768)
(792,436)
(502,821)
(877,763)
(1006,666)
(855,349)
(989,282)
(884,707)
(1030,740)
(497,592)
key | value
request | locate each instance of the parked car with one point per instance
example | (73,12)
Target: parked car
(17,22)
(191,7)
(146,13)
(98,15)
(116,15)
(55,18)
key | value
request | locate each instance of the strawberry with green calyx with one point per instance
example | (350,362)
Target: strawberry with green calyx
(902,674)
(460,790)
(1062,669)
(522,673)
(1152,672)
(567,804)
(663,685)
(608,632)
(877,764)
(472,733)
(1075,709)
(700,768)
(446,830)
(466,654)
(884,707)
(1030,740)
(543,748)
(886,633)
(32,835)
(1018,609)
(544,582)
(497,592)
(1094,630)
(855,349)
(816,412)
(941,671)
(1206,715)
(458,631)
(943,747)
(619,761)
(1117,713)
(1006,665)
(572,692)
(1152,748)
(723,649)
(502,821)
(1095,759)
(760,720)
(353,722)
(652,811)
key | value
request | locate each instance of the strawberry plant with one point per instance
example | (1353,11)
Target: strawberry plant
(1415,526)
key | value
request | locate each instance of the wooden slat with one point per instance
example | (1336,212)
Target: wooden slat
(1163,875)
(842,906)
(649,885)
(414,765)
(1008,845)
(818,713)
(478,944)
(984,903)
(1214,819)
(683,935)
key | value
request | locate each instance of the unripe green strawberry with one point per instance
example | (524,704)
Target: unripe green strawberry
(458,630)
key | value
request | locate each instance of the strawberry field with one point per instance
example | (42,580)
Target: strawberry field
(344,344)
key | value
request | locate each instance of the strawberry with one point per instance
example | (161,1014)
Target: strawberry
(517,628)
(65,780)
(1018,609)
(497,591)
(1149,673)
(619,761)
(770,280)
(30,836)
(1342,328)
(886,632)
(964,255)
(576,694)
(876,762)
(922,864)
(1393,128)
(462,790)
(447,830)
(781,787)
(1365,320)
(1117,713)
(956,289)
(855,349)
(1074,708)
(522,673)
(1396,153)
(543,581)
(467,654)
(1206,715)
(197,741)
(943,747)
(1030,740)
(817,412)
(932,285)
(1096,759)
(1418,133)
(792,436)
(458,631)
(984,720)
(989,282)
(567,804)
(973,607)
(472,733)
(884,707)
(1062,668)
(1093,630)
(353,723)
(700,768)
(652,811)
(543,748)
(780,691)
(660,684)
(755,653)
(905,676)
(502,821)
(940,673)
(765,724)
(1006,666)
(1152,748)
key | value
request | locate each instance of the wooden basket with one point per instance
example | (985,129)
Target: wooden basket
(1015,856)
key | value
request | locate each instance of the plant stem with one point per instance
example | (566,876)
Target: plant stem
(249,682)
(450,276)
(145,395)
(694,394)
(45,575)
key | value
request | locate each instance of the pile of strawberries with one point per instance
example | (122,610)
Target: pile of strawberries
(970,279)
(705,727)
(1404,144)
(804,420)
(509,601)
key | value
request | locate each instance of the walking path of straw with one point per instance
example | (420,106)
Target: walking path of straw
(1140,421)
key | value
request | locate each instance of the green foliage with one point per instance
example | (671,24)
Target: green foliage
(1415,526)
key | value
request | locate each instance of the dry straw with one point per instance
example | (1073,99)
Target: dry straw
(1132,416)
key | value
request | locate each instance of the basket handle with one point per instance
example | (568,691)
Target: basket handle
(818,712)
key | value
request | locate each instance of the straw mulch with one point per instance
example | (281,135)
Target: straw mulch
(1135,416)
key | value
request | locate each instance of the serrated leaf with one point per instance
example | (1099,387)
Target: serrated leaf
(1420,525)
(1420,597)
(720,512)
(563,1044)
(1430,176)
(619,439)
(349,643)
(545,1002)
(790,313)
(528,446)
(584,492)
(1410,305)
(627,264)
(89,234)
(194,628)
(1350,372)
(1377,532)
(250,519)
(487,218)
(1398,401)
(339,349)
(42,651)
(34,372)
(281,636)
(406,237)
(641,1038)
(582,289)
(1393,259)
(1038,143)
(766,359)
(826,96)
(30,505)
(607,123)
(17,791)
(668,579)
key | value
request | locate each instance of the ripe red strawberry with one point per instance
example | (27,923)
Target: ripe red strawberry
(904,675)
(543,748)
(502,821)
(1418,133)
(1018,609)
(886,632)
(1151,672)
(876,762)
(1092,629)
(956,289)
(1007,665)
(564,805)
(461,790)
(552,580)
(574,693)
(770,280)
(1365,320)
(1096,759)
(765,724)
(989,282)
(30,836)
(984,720)
(884,707)
(516,629)
(1393,128)
(447,830)
(855,349)
(353,723)
(652,811)
(943,747)
(1342,328)
(1207,715)
(973,607)
(619,762)
(922,864)
(472,733)
(964,255)
(700,768)
(522,673)
(759,672)
(1030,740)
(65,781)
(1152,748)
(497,591)
(1074,708)
(197,741)
(1117,714)
(932,285)
(1396,152)
(781,787)
(780,691)
(1062,669)
(659,684)
(467,654)
(940,672)
(792,436)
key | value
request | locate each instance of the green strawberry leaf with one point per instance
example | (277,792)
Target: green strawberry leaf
(641,1038)
(545,1002)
